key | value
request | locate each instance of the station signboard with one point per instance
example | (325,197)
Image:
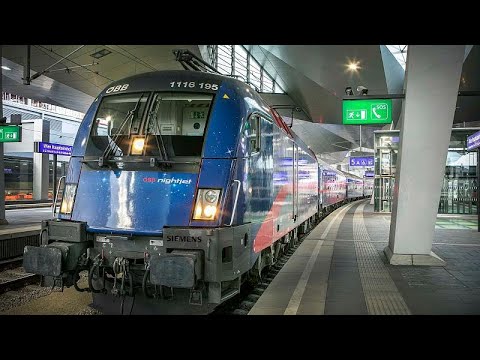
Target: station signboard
(473,141)
(361,161)
(51,148)
(367,112)
(369,174)
(10,133)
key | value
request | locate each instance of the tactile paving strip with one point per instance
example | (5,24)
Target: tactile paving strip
(381,295)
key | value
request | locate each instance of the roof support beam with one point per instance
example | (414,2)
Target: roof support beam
(402,96)
(27,78)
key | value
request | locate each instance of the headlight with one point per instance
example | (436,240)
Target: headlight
(67,201)
(206,204)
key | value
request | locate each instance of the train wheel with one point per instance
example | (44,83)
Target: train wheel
(255,273)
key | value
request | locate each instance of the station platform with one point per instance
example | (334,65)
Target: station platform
(14,206)
(26,216)
(23,228)
(340,269)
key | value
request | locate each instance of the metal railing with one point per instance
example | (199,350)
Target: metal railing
(236,201)
(41,105)
(54,205)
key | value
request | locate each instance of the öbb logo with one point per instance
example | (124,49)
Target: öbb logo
(167,181)
(117,88)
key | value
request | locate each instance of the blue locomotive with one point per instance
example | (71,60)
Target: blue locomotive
(181,186)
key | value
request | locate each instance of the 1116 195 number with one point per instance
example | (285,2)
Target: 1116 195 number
(193,84)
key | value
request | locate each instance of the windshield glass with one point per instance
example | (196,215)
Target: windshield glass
(174,125)
(178,121)
(118,117)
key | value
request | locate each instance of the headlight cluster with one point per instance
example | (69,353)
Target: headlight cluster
(206,204)
(67,201)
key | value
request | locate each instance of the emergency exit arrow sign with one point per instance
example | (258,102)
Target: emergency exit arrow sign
(367,112)
(10,133)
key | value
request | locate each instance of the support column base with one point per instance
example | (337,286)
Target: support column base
(3,222)
(413,259)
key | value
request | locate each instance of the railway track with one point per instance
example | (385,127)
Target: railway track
(18,288)
(13,277)
(11,263)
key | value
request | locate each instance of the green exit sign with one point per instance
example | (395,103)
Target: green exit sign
(367,112)
(10,133)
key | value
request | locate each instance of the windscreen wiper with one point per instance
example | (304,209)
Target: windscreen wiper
(160,144)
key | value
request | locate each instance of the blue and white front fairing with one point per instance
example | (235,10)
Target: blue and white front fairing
(137,202)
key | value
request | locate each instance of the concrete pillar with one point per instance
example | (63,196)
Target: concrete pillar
(40,161)
(431,88)
(2,172)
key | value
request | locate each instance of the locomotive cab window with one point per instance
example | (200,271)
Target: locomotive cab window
(252,134)
(177,122)
(173,125)
(118,118)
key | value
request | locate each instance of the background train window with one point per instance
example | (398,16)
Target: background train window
(180,120)
(252,133)
(113,120)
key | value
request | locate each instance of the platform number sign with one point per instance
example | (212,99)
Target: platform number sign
(365,112)
(10,133)
(362,161)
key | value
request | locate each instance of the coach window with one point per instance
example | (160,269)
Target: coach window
(252,133)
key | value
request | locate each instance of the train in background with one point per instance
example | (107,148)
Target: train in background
(181,186)
(337,187)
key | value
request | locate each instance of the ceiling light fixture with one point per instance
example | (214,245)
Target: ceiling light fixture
(353,66)
(101,53)
(5,67)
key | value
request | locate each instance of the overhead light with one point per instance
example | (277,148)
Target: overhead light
(5,67)
(353,66)
(101,53)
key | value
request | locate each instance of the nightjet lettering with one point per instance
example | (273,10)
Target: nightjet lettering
(167,181)
(185,238)
(172,180)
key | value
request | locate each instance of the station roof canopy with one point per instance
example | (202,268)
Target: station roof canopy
(314,78)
